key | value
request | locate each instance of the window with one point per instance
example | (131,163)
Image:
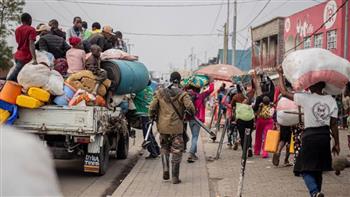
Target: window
(307,42)
(332,39)
(318,41)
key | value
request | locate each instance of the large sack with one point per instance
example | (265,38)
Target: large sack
(304,68)
(287,119)
(55,83)
(44,57)
(33,76)
(117,54)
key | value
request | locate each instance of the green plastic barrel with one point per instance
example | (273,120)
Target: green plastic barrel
(127,76)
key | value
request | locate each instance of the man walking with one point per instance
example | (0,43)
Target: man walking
(168,106)
(142,101)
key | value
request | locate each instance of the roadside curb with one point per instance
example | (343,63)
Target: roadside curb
(123,187)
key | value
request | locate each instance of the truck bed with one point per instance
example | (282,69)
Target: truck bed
(53,119)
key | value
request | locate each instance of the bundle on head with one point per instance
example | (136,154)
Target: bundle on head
(340,163)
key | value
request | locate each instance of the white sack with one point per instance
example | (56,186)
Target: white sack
(117,54)
(287,119)
(45,57)
(306,67)
(33,75)
(55,83)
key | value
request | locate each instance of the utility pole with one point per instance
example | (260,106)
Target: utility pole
(225,45)
(227,30)
(205,57)
(234,33)
(346,34)
(192,59)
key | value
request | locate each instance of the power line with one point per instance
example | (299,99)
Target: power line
(111,3)
(149,34)
(50,7)
(65,8)
(170,35)
(276,9)
(248,25)
(318,29)
(216,18)
(82,9)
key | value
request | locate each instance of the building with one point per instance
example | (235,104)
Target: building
(313,27)
(243,58)
(268,42)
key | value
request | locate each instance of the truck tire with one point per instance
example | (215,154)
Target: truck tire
(104,156)
(123,146)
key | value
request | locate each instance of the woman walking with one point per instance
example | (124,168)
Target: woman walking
(199,103)
(320,117)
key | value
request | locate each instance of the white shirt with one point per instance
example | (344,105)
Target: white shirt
(318,109)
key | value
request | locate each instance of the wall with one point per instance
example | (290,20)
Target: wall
(306,22)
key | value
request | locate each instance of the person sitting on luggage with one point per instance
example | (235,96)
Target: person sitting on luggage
(75,56)
(55,30)
(52,43)
(93,63)
(105,39)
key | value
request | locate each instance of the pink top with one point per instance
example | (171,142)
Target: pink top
(199,103)
(75,60)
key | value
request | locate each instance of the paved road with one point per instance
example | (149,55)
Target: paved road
(74,182)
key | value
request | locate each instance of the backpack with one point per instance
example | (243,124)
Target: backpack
(244,112)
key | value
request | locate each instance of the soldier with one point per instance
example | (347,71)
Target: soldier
(168,107)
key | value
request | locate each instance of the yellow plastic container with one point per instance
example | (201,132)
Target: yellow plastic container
(4,115)
(291,148)
(38,93)
(272,140)
(28,102)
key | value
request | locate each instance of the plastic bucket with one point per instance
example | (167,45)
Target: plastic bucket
(10,91)
(64,99)
(127,76)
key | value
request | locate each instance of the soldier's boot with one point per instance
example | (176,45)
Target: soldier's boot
(165,162)
(175,173)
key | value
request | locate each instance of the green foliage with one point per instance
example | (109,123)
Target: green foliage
(10,11)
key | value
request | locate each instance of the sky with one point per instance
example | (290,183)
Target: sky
(161,53)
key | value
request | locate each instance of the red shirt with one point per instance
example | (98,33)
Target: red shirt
(24,34)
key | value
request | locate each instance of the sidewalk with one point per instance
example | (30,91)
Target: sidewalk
(265,180)
(145,179)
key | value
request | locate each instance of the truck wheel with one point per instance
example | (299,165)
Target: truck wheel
(104,156)
(123,146)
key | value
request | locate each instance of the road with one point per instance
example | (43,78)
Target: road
(74,182)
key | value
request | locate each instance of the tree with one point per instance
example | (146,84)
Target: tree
(10,11)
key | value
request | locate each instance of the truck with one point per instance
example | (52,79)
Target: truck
(90,133)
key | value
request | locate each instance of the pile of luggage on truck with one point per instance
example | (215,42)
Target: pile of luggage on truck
(75,97)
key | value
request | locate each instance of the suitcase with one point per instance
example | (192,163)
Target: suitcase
(28,102)
(4,115)
(272,141)
(38,93)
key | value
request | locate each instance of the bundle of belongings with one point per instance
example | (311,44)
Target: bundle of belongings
(198,81)
(48,82)
(306,67)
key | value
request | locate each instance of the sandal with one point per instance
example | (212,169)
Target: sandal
(276,159)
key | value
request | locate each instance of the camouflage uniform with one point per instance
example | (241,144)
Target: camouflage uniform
(168,106)
(172,144)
